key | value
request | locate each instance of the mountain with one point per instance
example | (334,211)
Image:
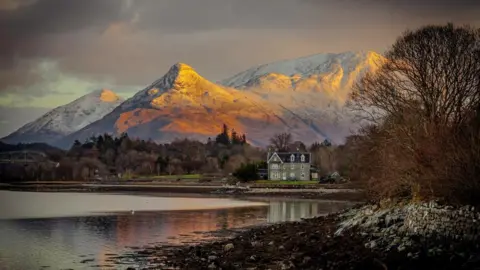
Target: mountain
(184,104)
(314,88)
(66,119)
(41,147)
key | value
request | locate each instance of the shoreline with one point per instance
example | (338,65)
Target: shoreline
(209,190)
(327,242)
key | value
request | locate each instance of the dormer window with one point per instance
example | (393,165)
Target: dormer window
(292,158)
(302,158)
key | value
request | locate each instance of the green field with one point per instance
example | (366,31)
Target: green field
(281,182)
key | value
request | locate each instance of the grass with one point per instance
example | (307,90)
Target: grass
(281,182)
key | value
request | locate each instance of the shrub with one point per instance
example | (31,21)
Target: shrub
(246,172)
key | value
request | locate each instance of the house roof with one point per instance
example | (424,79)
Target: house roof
(285,157)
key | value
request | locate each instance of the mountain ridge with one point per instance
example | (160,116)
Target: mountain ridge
(184,104)
(315,88)
(303,96)
(66,119)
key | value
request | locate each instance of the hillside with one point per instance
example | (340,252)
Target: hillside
(66,119)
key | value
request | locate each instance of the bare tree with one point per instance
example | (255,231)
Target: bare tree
(281,141)
(433,72)
(233,163)
(419,102)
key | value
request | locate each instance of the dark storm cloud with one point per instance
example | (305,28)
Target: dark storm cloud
(26,25)
(188,16)
(53,16)
(426,7)
(134,41)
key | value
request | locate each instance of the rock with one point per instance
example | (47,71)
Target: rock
(306,259)
(398,235)
(228,247)
(256,244)
(212,258)
(371,244)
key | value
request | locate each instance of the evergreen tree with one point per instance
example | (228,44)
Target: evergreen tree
(326,142)
(100,142)
(162,164)
(223,138)
(77,143)
(235,138)
(315,146)
(246,172)
(243,140)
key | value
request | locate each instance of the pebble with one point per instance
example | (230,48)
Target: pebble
(228,247)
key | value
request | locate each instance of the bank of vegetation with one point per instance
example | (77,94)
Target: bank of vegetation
(126,158)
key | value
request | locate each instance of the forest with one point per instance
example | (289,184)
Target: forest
(107,156)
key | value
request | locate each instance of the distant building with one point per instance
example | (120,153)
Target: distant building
(289,166)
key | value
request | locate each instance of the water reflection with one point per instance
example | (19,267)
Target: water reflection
(66,242)
(279,211)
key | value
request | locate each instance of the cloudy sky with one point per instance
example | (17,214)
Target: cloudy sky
(53,51)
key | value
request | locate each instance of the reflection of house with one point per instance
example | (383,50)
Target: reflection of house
(288,166)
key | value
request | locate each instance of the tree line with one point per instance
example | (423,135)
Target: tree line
(109,156)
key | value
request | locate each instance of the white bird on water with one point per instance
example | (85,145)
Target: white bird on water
(133,212)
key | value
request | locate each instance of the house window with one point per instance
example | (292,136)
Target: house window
(303,175)
(292,166)
(275,175)
(302,166)
(292,175)
(302,158)
(275,166)
(284,176)
(292,158)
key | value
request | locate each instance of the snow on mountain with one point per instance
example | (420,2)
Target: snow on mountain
(68,118)
(314,88)
(184,104)
(303,96)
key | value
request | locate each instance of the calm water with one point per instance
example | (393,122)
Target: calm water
(80,230)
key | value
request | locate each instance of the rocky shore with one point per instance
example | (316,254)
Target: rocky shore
(387,236)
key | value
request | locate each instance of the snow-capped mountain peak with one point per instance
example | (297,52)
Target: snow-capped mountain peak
(303,96)
(327,63)
(314,88)
(178,76)
(107,95)
(68,118)
(181,83)
(184,104)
